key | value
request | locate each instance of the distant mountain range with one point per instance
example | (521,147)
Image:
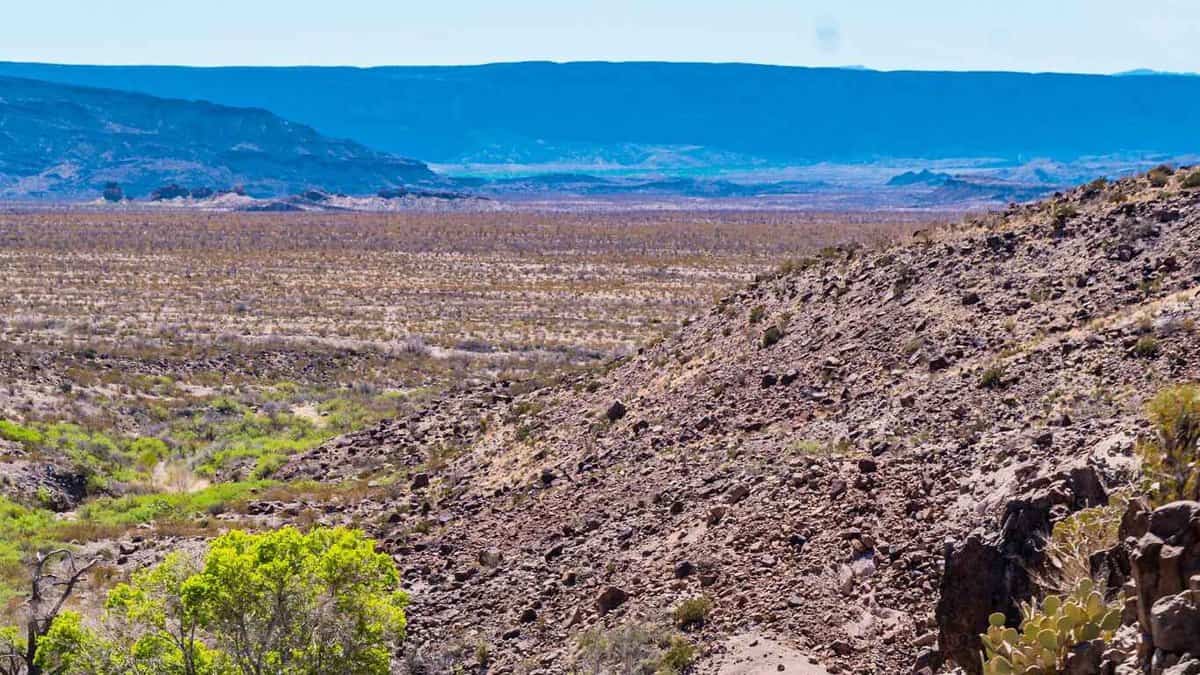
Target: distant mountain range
(63,142)
(822,135)
(1148,71)
(689,116)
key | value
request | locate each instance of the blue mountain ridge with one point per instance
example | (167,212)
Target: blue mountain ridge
(583,113)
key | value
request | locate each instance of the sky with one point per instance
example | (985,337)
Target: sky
(1085,36)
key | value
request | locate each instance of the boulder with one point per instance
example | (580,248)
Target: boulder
(975,583)
(610,599)
(1184,667)
(1165,564)
(1175,624)
(737,494)
(615,411)
(1175,519)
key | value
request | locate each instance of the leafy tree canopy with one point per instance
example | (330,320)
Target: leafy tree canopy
(281,602)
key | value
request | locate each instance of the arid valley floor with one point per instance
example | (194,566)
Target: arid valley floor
(171,364)
(719,442)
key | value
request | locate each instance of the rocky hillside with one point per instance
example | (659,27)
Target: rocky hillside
(60,141)
(805,454)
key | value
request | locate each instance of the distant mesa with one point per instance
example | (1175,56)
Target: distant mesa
(923,177)
(556,114)
(400,193)
(315,196)
(311,199)
(66,142)
(1143,72)
(527,132)
(983,190)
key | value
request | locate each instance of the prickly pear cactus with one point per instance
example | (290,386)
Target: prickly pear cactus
(1049,632)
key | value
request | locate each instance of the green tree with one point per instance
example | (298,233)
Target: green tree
(281,602)
(153,631)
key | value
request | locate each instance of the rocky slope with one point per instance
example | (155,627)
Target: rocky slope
(804,454)
(60,141)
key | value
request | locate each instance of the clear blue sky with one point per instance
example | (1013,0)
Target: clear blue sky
(1031,35)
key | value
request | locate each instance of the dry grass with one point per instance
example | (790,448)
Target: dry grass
(480,282)
(169,308)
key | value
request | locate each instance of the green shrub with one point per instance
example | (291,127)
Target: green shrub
(22,529)
(1160,175)
(756,313)
(692,612)
(1192,180)
(138,509)
(148,452)
(265,438)
(1061,213)
(45,498)
(101,458)
(806,446)
(1079,536)
(1048,632)
(1170,461)
(677,658)
(11,431)
(992,377)
(1146,347)
(267,465)
(633,649)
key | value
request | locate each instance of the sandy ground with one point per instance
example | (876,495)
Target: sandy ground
(754,654)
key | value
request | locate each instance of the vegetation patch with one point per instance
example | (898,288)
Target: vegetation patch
(256,603)
(1147,347)
(633,648)
(1170,460)
(1048,631)
(992,377)
(692,612)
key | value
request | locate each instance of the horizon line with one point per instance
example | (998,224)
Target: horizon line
(1134,72)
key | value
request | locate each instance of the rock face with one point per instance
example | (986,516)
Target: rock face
(983,576)
(1166,570)
(59,487)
